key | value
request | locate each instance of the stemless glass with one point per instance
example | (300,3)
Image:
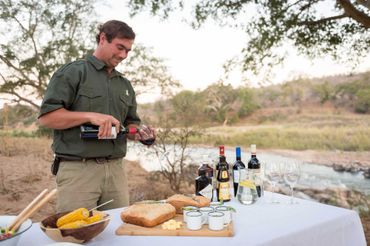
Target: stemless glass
(292,173)
(273,175)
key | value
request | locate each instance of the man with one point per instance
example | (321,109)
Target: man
(91,91)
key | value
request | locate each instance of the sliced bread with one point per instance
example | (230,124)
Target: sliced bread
(148,215)
(180,201)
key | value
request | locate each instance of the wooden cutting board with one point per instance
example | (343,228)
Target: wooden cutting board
(134,230)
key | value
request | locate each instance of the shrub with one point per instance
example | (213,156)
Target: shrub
(362,104)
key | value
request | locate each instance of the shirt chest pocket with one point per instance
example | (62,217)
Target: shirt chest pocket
(89,100)
(125,105)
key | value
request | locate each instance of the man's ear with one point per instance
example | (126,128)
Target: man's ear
(103,38)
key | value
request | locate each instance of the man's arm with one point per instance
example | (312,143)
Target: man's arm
(64,119)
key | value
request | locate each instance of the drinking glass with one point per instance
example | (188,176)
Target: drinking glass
(273,175)
(292,173)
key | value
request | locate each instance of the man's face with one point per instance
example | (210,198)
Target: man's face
(115,51)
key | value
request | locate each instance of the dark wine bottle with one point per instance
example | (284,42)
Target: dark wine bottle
(203,185)
(205,167)
(222,159)
(89,131)
(236,169)
(255,168)
(223,178)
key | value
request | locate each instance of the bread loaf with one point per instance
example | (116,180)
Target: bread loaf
(180,201)
(148,215)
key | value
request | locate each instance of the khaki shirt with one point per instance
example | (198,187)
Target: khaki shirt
(86,86)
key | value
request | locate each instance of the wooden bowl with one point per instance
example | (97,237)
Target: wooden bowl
(78,235)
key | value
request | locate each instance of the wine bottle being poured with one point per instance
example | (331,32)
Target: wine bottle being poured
(89,131)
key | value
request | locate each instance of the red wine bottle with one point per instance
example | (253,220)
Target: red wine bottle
(203,185)
(236,169)
(223,178)
(91,131)
(255,168)
(205,167)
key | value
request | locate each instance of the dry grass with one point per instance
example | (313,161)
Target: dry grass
(285,128)
(25,172)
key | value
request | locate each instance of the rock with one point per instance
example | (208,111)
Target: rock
(367,173)
(354,169)
(342,197)
(338,167)
(303,196)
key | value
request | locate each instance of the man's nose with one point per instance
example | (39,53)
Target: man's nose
(123,54)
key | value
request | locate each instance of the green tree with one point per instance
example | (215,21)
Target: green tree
(362,104)
(222,102)
(325,91)
(248,102)
(37,37)
(346,93)
(188,108)
(314,27)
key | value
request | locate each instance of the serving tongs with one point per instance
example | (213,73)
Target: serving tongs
(33,207)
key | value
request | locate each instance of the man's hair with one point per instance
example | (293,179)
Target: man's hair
(115,29)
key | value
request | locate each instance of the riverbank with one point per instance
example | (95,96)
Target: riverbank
(327,158)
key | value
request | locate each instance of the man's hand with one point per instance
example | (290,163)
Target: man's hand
(146,133)
(63,119)
(105,123)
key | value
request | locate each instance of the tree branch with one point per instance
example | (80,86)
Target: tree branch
(352,12)
(365,3)
(322,21)
(24,99)
(10,64)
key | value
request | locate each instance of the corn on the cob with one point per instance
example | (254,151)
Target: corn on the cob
(94,218)
(74,224)
(78,214)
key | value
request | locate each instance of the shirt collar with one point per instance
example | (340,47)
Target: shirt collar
(99,65)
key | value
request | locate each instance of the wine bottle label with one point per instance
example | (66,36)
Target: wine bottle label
(224,175)
(236,176)
(207,192)
(224,191)
(256,176)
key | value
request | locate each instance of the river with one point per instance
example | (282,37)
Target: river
(313,175)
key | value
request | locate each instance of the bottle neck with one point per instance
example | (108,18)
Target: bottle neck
(131,130)
(222,150)
(202,174)
(238,158)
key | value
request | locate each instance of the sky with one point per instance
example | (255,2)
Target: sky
(195,57)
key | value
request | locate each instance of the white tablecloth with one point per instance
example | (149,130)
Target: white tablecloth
(307,223)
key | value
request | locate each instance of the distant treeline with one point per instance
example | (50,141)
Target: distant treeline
(224,104)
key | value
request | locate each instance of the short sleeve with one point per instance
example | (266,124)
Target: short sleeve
(61,89)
